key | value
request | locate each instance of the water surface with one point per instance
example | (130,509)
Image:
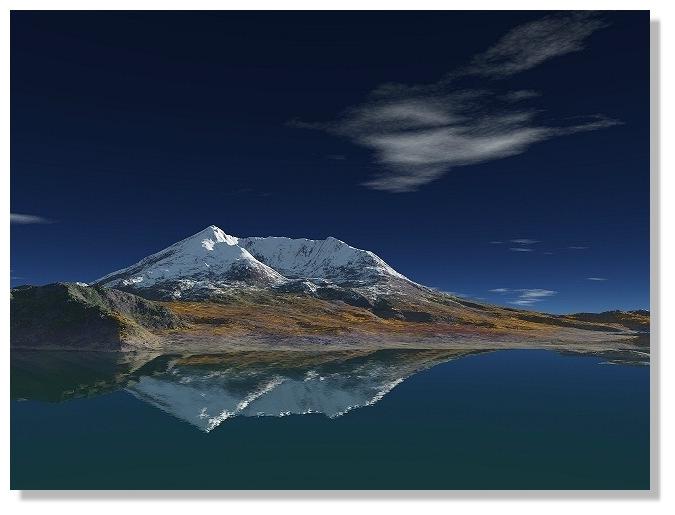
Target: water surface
(517,419)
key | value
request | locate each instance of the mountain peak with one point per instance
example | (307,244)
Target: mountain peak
(216,234)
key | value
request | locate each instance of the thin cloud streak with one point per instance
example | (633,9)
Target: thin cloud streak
(525,296)
(525,241)
(23,219)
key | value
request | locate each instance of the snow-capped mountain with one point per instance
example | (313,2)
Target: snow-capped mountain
(214,262)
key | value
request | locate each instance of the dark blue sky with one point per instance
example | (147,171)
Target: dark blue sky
(130,131)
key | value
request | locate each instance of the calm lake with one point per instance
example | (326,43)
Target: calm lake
(510,419)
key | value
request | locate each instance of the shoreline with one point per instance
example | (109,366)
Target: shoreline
(216,345)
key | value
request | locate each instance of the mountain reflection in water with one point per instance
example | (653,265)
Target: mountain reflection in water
(206,390)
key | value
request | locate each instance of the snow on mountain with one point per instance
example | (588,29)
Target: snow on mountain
(211,261)
(329,259)
(210,256)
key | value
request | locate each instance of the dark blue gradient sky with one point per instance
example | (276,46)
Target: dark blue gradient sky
(130,131)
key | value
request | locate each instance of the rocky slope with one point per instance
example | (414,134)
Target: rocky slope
(73,316)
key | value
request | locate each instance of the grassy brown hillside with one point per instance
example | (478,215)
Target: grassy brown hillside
(431,316)
(637,320)
(69,316)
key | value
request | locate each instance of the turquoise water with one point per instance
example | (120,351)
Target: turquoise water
(517,419)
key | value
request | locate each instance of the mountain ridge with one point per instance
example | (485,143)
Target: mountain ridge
(213,290)
(209,262)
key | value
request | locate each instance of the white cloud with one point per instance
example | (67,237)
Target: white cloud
(417,133)
(18,218)
(577,247)
(595,279)
(520,249)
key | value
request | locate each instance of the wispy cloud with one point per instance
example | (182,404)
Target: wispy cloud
(525,296)
(577,247)
(19,218)
(531,44)
(518,95)
(495,242)
(525,241)
(418,132)
(536,293)
(520,249)
(456,294)
(595,279)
